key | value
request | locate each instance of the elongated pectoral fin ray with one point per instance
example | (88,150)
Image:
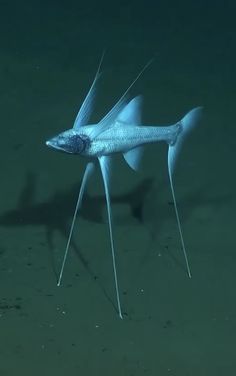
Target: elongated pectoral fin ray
(86,108)
(88,171)
(104,164)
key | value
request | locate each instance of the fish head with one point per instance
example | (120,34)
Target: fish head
(69,141)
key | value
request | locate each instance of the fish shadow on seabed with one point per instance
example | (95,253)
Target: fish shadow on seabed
(55,214)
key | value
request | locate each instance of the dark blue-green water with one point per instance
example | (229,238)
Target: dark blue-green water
(173,325)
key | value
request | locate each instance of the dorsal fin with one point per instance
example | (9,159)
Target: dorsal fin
(131,114)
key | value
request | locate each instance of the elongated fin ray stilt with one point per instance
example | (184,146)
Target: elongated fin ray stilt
(104,164)
(81,119)
(179,224)
(188,122)
(88,171)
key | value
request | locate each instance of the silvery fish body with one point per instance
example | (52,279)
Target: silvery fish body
(120,137)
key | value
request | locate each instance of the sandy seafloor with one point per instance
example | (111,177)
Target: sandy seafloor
(172,325)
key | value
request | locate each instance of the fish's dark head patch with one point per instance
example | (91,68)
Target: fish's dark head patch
(69,142)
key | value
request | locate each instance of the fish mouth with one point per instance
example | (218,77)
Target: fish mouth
(53,145)
(50,144)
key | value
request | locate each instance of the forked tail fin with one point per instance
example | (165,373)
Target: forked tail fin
(187,124)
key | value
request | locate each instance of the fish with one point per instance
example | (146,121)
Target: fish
(120,131)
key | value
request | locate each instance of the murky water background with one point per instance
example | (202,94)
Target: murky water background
(173,325)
